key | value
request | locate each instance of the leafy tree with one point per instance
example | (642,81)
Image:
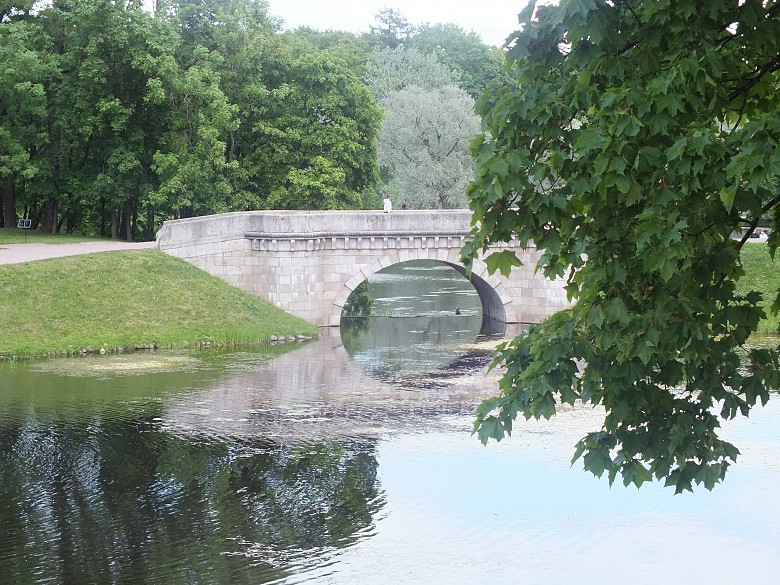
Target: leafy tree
(82,128)
(11,10)
(109,114)
(423,145)
(191,162)
(390,70)
(637,136)
(320,133)
(345,45)
(392,29)
(475,64)
(424,142)
(90,103)
(360,302)
(23,109)
(237,40)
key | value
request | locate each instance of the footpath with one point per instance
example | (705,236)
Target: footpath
(18,253)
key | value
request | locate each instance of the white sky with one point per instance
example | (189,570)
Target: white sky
(493,20)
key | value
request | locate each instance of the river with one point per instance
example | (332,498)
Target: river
(346,460)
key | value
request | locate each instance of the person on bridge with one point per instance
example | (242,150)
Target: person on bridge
(388,204)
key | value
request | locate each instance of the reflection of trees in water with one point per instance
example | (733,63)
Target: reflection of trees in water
(353,332)
(359,303)
(420,340)
(415,349)
(125,501)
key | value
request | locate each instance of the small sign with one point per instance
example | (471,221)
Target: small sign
(24,224)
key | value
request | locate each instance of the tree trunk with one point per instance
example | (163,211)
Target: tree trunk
(71,223)
(50,213)
(8,202)
(127,222)
(102,218)
(150,223)
(133,220)
(114,224)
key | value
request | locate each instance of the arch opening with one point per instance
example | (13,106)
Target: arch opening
(490,305)
(428,321)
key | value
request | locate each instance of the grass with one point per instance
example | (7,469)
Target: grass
(128,299)
(762,274)
(118,300)
(18,236)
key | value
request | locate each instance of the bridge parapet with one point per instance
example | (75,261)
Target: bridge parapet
(309,262)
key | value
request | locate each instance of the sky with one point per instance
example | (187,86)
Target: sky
(493,20)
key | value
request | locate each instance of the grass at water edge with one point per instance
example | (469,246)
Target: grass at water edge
(127,299)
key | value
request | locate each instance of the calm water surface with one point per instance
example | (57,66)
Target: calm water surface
(346,460)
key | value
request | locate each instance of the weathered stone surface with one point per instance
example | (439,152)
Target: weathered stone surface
(308,262)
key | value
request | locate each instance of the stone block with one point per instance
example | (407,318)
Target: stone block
(274,251)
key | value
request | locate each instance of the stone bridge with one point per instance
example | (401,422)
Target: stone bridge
(309,262)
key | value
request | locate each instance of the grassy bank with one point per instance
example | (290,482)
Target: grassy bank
(118,300)
(762,274)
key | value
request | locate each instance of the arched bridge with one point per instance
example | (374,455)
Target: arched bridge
(309,262)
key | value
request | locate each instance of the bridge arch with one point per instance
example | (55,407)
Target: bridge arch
(495,300)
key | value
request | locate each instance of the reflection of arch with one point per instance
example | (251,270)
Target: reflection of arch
(496,302)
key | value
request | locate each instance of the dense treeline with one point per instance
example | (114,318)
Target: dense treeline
(114,119)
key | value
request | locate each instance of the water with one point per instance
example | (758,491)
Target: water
(346,460)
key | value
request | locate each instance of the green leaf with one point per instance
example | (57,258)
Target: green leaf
(490,428)
(677,149)
(597,461)
(502,261)
(615,311)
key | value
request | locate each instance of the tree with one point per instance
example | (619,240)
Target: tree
(77,124)
(22,109)
(429,121)
(424,142)
(390,70)
(191,162)
(392,29)
(474,62)
(320,133)
(637,136)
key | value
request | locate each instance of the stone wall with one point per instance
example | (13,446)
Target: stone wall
(309,262)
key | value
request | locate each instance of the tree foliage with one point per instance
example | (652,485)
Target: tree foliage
(475,64)
(424,142)
(635,138)
(390,70)
(392,29)
(429,121)
(113,119)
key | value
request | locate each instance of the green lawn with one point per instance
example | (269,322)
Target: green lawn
(17,236)
(128,299)
(762,274)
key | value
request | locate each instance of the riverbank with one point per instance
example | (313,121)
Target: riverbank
(123,300)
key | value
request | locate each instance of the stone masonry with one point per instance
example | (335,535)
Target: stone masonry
(309,262)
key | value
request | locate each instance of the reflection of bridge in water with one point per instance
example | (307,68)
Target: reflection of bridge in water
(309,262)
(318,390)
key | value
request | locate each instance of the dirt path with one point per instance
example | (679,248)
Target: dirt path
(18,253)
